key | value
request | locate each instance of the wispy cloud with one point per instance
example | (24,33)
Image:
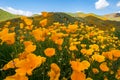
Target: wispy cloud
(118,4)
(78,11)
(118,12)
(17,11)
(100,4)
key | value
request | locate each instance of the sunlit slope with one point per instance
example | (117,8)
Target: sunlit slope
(66,19)
(83,15)
(113,16)
(6,15)
(51,18)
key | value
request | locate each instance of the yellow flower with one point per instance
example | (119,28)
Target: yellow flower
(27,43)
(38,34)
(89,52)
(73,27)
(89,78)
(64,78)
(8,38)
(23,55)
(11,64)
(16,77)
(44,14)
(27,65)
(21,25)
(54,72)
(83,45)
(59,41)
(95,70)
(95,47)
(99,58)
(117,76)
(79,66)
(104,67)
(86,64)
(54,37)
(108,55)
(49,52)
(29,47)
(12,29)
(43,22)
(29,27)
(73,47)
(76,66)
(8,23)
(4,31)
(28,21)
(78,76)
(83,51)
(116,53)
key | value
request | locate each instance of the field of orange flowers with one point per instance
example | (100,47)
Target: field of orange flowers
(58,52)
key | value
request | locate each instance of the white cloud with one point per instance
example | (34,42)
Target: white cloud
(100,4)
(118,4)
(118,12)
(78,11)
(17,12)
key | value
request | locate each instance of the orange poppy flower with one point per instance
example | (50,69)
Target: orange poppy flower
(29,47)
(34,61)
(98,58)
(59,41)
(43,22)
(95,70)
(8,38)
(21,25)
(49,52)
(16,77)
(44,14)
(28,21)
(11,64)
(79,66)
(4,31)
(78,76)
(104,67)
(73,47)
(54,72)
(116,53)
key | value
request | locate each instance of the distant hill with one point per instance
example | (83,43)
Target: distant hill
(77,14)
(102,24)
(53,17)
(67,19)
(58,17)
(4,15)
(113,16)
(83,15)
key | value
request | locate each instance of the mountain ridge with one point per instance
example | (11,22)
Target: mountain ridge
(113,16)
(61,17)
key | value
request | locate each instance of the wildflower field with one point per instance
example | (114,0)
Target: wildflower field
(58,52)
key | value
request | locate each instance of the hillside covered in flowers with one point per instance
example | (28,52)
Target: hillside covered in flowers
(73,51)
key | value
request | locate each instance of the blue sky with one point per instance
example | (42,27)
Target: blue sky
(30,7)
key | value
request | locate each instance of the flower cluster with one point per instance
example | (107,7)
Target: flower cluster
(58,52)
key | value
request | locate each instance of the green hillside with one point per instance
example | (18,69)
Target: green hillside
(78,14)
(53,17)
(102,24)
(67,19)
(6,15)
